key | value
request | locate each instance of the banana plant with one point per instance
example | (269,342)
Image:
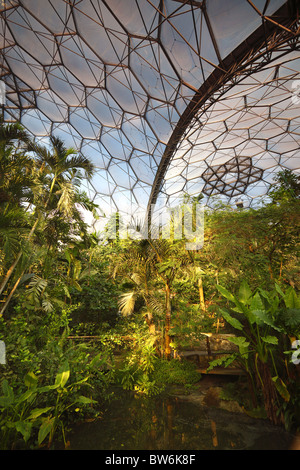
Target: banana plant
(262,319)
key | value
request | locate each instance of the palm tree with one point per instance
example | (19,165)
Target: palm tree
(169,259)
(16,183)
(158,259)
(10,134)
(16,166)
(60,168)
(57,171)
(137,264)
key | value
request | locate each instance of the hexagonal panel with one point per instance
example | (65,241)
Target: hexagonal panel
(140,87)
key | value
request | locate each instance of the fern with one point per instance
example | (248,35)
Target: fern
(37,287)
(222,361)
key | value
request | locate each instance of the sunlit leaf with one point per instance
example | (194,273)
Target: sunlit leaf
(38,412)
(63,375)
(281,388)
(244,292)
(30,380)
(270,339)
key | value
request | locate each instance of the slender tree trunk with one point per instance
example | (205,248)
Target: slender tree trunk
(168,323)
(13,266)
(9,272)
(201,293)
(150,322)
(11,294)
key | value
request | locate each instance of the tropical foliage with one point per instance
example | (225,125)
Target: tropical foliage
(81,311)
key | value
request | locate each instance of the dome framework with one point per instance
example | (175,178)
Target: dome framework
(164,96)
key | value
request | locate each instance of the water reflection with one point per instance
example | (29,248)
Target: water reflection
(168,423)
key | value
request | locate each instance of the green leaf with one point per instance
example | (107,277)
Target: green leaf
(245,292)
(5,402)
(270,339)
(278,289)
(24,427)
(239,341)
(37,412)
(26,395)
(261,316)
(30,380)
(291,300)
(256,302)
(75,284)
(290,317)
(68,256)
(85,400)
(47,388)
(8,391)
(240,307)
(45,429)
(242,344)
(281,388)
(232,321)
(97,360)
(63,375)
(222,361)
(228,295)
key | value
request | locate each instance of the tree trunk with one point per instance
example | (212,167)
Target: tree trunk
(9,272)
(150,322)
(13,266)
(201,293)
(168,323)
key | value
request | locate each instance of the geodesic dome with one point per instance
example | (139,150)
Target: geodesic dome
(165,97)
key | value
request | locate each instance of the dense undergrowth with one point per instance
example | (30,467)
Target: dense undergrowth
(81,312)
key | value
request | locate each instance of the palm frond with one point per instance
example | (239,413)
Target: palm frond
(66,200)
(156,305)
(136,278)
(13,132)
(79,161)
(10,241)
(59,147)
(127,303)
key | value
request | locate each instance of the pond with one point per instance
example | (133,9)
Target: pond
(132,422)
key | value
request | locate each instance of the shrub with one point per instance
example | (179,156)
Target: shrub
(175,372)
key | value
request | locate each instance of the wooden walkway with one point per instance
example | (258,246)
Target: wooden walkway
(202,357)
